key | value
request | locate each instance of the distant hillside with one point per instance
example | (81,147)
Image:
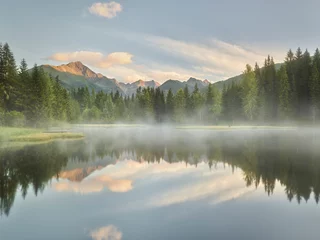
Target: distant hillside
(175,85)
(237,79)
(131,88)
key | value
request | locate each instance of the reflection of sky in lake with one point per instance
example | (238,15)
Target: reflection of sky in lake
(132,200)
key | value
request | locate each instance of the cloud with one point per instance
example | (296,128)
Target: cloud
(116,58)
(109,232)
(157,72)
(107,10)
(216,57)
(96,184)
(96,59)
(221,186)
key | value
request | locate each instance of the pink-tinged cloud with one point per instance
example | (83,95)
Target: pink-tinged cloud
(107,10)
(95,185)
(95,59)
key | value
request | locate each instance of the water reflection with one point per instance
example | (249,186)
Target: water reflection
(117,159)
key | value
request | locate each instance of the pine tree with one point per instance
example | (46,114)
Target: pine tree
(170,105)
(249,93)
(158,105)
(284,94)
(24,87)
(108,109)
(188,101)
(8,78)
(315,91)
(179,106)
(209,102)
(316,59)
(197,103)
(216,108)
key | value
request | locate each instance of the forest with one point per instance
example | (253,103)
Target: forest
(266,95)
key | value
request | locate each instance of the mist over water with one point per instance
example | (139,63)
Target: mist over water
(148,182)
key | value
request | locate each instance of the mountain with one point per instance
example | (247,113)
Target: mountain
(131,88)
(75,75)
(78,174)
(175,85)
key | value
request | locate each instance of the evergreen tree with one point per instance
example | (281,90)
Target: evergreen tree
(249,93)
(197,103)
(108,109)
(188,101)
(179,106)
(8,78)
(216,108)
(315,91)
(284,93)
(316,59)
(24,85)
(209,102)
(170,105)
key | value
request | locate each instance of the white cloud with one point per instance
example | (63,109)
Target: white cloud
(211,59)
(221,186)
(107,10)
(157,72)
(96,59)
(109,232)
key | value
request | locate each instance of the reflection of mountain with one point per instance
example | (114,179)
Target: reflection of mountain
(78,174)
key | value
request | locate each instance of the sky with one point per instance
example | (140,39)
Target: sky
(158,40)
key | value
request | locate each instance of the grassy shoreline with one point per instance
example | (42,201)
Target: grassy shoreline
(8,134)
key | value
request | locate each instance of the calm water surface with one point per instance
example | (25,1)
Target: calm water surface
(156,183)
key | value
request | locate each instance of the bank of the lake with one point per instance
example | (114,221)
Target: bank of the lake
(8,134)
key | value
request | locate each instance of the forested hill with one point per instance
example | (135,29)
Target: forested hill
(237,79)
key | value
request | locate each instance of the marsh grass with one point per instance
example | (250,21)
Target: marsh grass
(8,134)
(42,137)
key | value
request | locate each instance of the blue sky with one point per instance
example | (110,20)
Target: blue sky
(160,40)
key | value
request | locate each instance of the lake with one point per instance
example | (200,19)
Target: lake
(163,183)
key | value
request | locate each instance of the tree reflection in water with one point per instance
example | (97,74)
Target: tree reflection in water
(292,158)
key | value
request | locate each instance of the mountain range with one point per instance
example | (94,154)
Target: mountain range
(75,75)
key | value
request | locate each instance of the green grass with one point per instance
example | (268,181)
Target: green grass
(8,134)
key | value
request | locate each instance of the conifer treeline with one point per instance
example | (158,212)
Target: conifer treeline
(265,94)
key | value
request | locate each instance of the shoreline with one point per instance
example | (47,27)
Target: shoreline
(8,134)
